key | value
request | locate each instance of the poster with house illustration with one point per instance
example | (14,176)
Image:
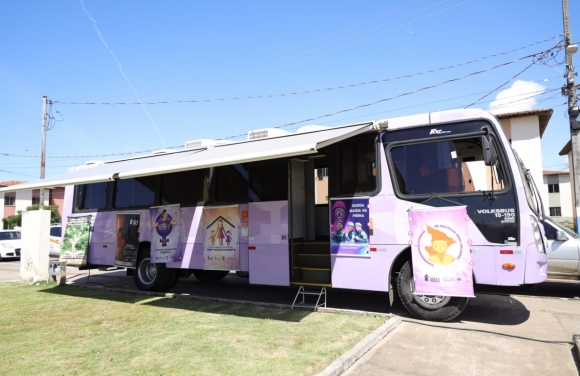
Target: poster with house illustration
(221,227)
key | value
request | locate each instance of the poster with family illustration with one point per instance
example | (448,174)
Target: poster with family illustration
(165,233)
(440,248)
(221,227)
(349,227)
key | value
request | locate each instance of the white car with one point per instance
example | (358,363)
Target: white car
(563,251)
(10,243)
(55,240)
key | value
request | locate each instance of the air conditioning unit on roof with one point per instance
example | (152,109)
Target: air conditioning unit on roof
(259,134)
(205,143)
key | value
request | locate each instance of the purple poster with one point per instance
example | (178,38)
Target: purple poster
(165,234)
(349,227)
(440,249)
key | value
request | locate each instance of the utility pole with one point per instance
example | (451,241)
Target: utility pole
(570,91)
(43,152)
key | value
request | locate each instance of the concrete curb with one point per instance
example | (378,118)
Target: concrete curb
(348,358)
(576,349)
(234,301)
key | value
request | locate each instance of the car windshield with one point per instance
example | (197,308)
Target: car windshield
(9,235)
(564,229)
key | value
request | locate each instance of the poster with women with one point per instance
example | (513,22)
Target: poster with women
(350,227)
(221,227)
(165,233)
(441,251)
(127,241)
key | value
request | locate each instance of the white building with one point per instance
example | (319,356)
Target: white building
(524,129)
(559,204)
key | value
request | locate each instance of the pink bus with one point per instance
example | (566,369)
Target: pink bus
(323,207)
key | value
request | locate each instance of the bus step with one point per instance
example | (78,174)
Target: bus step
(302,304)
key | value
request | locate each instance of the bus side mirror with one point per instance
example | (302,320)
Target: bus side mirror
(489,155)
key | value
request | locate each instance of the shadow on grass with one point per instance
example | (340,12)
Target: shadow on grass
(226,308)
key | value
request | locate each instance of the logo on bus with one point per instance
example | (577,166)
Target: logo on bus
(440,245)
(438,131)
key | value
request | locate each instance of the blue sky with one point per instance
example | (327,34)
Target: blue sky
(152,51)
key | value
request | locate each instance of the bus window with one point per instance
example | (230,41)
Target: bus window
(229,184)
(455,166)
(136,192)
(358,167)
(188,188)
(268,182)
(91,196)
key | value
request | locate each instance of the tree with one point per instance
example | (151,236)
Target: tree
(16,219)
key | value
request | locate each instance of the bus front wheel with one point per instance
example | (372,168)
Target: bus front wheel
(150,276)
(427,307)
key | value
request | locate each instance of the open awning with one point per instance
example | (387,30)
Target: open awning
(240,152)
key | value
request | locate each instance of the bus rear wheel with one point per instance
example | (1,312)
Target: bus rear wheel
(149,276)
(427,307)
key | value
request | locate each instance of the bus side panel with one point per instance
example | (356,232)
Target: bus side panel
(536,265)
(268,239)
(192,239)
(103,238)
(365,273)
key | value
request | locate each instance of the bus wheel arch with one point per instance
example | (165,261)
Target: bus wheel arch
(150,276)
(427,307)
(434,308)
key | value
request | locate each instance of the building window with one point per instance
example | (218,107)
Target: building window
(555,211)
(35,200)
(554,188)
(9,200)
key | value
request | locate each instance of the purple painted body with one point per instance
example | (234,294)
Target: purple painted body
(264,238)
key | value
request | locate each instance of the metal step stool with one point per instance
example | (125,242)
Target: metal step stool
(303,303)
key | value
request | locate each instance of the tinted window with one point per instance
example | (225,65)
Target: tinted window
(9,235)
(445,167)
(358,169)
(56,231)
(268,182)
(188,188)
(135,192)
(229,184)
(91,196)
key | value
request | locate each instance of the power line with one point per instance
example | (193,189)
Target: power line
(334,113)
(313,90)
(16,173)
(329,35)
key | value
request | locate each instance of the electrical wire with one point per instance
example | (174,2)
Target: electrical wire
(533,94)
(16,173)
(328,35)
(308,91)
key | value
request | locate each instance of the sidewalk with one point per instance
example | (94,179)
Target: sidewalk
(418,348)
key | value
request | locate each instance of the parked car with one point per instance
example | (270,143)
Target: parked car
(10,243)
(55,240)
(563,250)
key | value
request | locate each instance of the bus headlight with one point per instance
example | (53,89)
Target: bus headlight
(538,241)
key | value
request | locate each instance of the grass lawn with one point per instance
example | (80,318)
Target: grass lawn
(66,330)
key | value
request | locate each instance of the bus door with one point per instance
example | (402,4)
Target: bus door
(267,221)
(309,230)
